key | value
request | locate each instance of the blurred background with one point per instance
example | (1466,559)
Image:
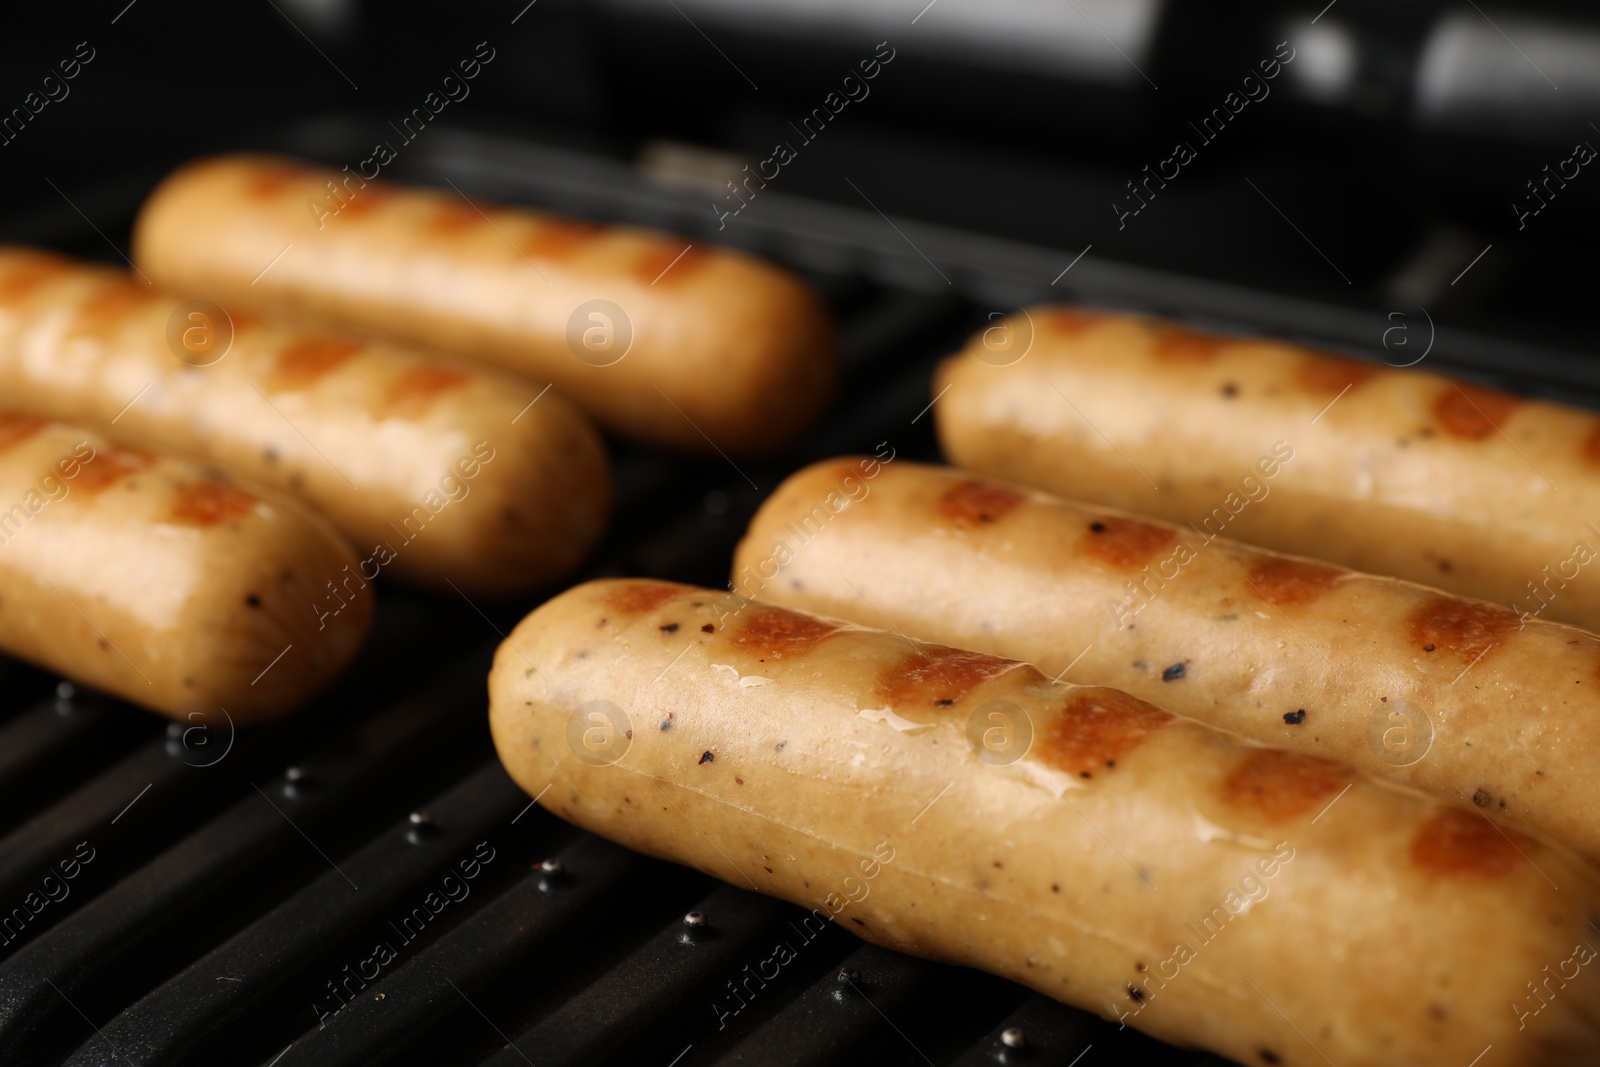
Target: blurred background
(1396,145)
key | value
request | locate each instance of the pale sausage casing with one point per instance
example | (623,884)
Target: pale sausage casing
(146,577)
(1453,696)
(1140,865)
(438,472)
(1395,471)
(660,339)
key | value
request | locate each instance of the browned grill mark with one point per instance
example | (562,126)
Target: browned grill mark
(1177,345)
(652,262)
(1095,728)
(365,200)
(110,466)
(1288,583)
(1471,411)
(1591,446)
(29,274)
(452,219)
(306,360)
(971,503)
(1070,322)
(557,239)
(15,429)
(1467,628)
(107,309)
(774,633)
(636,598)
(1457,842)
(935,676)
(1125,542)
(1329,376)
(209,502)
(415,391)
(267,180)
(847,470)
(1281,785)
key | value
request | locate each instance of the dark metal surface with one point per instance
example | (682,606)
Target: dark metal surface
(237,909)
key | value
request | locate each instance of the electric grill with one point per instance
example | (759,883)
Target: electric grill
(280,895)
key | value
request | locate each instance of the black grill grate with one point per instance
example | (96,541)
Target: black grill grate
(233,905)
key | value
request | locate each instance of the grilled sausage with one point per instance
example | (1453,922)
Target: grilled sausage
(1275,907)
(1457,697)
(438,472)
(146,577)
(658,339)
(1394,471)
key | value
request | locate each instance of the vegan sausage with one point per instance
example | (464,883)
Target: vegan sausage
(144,576)
(660,339)
(1272,906)
(1456,697)
(1394,471)
(438,472)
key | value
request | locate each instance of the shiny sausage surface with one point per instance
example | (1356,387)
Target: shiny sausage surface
(438,472)
(1271,906)
(660,339)
(147,577)
(1457,697)
(1388,471)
